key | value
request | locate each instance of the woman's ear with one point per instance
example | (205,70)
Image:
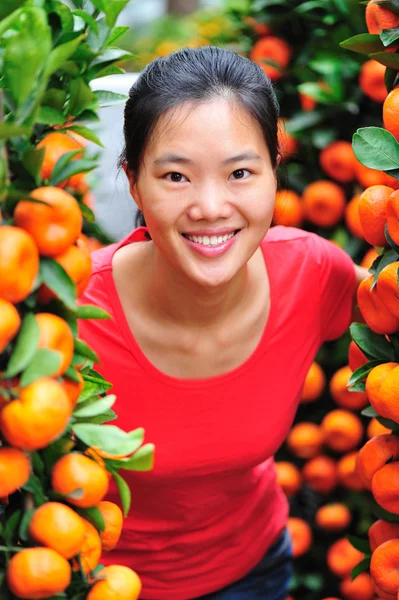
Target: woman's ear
(132,183)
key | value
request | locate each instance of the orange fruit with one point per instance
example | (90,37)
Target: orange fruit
(324,203)
(387,287)
(372,213)
(383,566)
(57,144)
(259,28)
(287,143)
(321,474)
(333,517)
(90,552)
(77,263)
(301,536)
(56,335)
(367,177)
(10,322)
(118,583)
(381,594)
(337,160)
(307,102)
(347,473)
(390,112)
(113,519)
(55,225)
(382,390)
(342,394)
(352,218)
(14,470)
(305,440)
(76,471)
(275,50)
(356,358)
(385,487)
(288,209)
(19,263)
(392,211)
(374,455)
(369,258)
(73,388)
(343,431)
(373,310)
(361,588)
(57,526)
(92,243)
(314,384)
(288,477)
(382,531)
(38,416)
(372,80)
(379,18)
(376,428)
(342,557)
(35,573)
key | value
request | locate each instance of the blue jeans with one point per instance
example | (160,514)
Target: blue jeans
(269,580)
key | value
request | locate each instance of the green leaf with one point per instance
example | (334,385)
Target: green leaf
(10,130)
(24,57)
(106,417)
(389,59)
(109,56)
(32,160)
(372,344)
(364,43)
(93,515)
(87,133)
(45,363)
(80,96)
(359,386)
(369,411)
(84,350)
(60,54)
(26,346)
(8,6)
(106,98)
(95,408)
(381,513)
(303,120)
(50,116)
(360,544)
(314,90)
(381,262)
(88,19)
(24,524)
(108,438)
(115,34)
(89,311)
(388,423)
(72,168)
(57,279)
(142,459)
(113,9)
(61,164)
(35,487)
(388,36)
(124,492)
(363,371)
(364,565)
(376,148)
(391,5)
(93,389)
(11,526)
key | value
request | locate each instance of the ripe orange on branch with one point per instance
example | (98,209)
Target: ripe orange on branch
(301,536)
(382,531)
(324,203)
(342,557)
(38,416)
(14,470)
(361,588)
(343,431)
(383,566)
(373,310)
(314,384)
(273,49)
(342,394)
(379,18)
(337,160)
(387,287)
(73,388)
(90,552)
(372,213)
(19,263)
(76,471)
(347,474)
(10,322)
(321,474)
(118,582)
(390,112)
(376,428)
(56,144)
(288,209)
(288,477)
(374,454)
(56,335)
(385,487)
(356,358)
(35,573)
(54,225)
(305,440)
(113,519)
(352,218)
(382,390)
(57,526)
(333,517)
(392,209)
(372,80)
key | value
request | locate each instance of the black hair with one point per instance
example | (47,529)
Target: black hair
(196,75)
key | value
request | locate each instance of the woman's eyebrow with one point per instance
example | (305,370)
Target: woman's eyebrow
(175,158)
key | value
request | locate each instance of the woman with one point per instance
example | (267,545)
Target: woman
(216,319)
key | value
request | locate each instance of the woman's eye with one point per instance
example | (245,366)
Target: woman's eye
(175,177)
(240,173)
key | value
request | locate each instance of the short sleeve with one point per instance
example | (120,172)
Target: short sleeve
(337,284)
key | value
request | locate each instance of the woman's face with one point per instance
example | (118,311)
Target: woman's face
(206,173)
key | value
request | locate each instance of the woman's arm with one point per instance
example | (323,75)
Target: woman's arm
(361,273)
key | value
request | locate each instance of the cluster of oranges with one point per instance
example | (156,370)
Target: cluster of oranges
(61,535)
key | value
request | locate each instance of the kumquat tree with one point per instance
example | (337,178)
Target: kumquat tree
(58,451)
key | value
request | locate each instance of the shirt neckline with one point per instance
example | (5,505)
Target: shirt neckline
(139,234)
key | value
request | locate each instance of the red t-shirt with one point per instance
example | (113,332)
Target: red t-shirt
(211,507)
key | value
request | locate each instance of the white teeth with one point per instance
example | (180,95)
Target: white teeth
(210,241)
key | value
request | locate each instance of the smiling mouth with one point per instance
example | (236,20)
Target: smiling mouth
(212,240)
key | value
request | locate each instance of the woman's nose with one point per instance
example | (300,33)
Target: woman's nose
(210,203)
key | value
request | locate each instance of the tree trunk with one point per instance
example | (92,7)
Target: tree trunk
(182,7)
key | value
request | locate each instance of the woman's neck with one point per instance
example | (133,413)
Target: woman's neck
(173,296)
